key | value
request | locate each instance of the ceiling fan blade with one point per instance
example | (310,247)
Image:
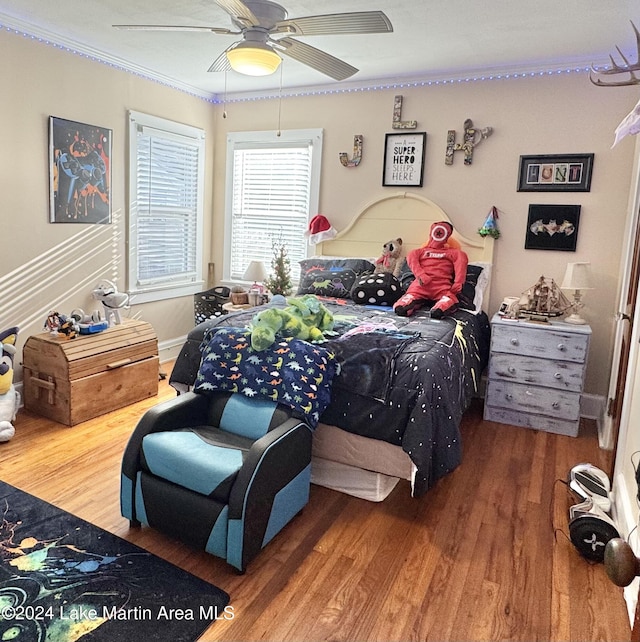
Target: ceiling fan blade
(336,23)
(221,63)
(239,11)
(220,30)
(314,58)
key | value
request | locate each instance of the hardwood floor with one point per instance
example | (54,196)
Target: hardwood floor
(483,556)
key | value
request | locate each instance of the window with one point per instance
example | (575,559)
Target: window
(166,197)
(272,191)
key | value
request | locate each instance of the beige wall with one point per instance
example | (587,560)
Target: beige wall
(47,266)
(542,115)
(560,114)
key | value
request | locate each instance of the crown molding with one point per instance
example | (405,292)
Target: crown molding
(423,80)
(37,34)
(22,28)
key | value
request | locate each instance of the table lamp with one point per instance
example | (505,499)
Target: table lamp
(255,272)
(577,278)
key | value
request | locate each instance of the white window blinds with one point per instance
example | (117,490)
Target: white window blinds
(166,205)
(274,187)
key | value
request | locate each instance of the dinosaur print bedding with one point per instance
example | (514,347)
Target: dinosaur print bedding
(403,380)
(291,371)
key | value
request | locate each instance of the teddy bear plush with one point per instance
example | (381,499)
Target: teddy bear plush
(390,261)
(440,268)
(304,317)
(9,396)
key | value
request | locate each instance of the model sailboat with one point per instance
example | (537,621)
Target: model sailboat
(543,300)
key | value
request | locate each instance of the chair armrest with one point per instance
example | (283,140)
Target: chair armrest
(272,462)
(189,409)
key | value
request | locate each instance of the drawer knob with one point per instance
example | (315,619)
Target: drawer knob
(561,347)
(511,370)
(555,405)
(508,397)
(558,375)
(514,342)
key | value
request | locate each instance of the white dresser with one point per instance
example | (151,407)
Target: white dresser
(536,374)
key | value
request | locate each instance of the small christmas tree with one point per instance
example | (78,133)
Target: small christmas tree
(280,281)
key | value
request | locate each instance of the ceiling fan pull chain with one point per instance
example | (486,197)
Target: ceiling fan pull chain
(280,102)
(224,97)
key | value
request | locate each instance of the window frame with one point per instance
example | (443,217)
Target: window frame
(172,286)
(311,137)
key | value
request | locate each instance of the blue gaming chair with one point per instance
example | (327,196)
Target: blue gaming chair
(222,472)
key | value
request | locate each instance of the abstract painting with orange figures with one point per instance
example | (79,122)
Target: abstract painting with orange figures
(79,172)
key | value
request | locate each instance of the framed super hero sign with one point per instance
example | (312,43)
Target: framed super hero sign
(79,172)
(404,159)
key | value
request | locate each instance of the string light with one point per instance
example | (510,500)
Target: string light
(108,63)
(300,93)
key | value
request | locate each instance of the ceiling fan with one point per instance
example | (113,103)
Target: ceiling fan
(266,33)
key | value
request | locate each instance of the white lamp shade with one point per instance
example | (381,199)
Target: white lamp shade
(253,59)
(577,277)
(255,271)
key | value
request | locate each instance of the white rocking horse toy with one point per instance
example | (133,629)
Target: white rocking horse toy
(112,300)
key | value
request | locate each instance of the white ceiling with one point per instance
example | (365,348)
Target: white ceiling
(433,39)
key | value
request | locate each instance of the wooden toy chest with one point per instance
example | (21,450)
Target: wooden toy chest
(73,380)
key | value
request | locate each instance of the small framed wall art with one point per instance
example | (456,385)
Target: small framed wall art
(552,227)
(404,159)
(555,173)
(79,172)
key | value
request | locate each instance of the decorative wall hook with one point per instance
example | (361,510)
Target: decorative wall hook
(398,123)
(471,139)
(357,153)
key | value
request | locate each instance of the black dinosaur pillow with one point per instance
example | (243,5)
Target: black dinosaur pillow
(331,277)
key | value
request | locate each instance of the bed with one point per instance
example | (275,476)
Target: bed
(404,383)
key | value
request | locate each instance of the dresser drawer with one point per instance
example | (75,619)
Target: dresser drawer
(563,375)
(547,343)
(536,422)
(532,399)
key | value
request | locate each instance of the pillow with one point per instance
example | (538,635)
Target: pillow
(332,277)
(377,289)
(406,276)
(472,294)
(292,372)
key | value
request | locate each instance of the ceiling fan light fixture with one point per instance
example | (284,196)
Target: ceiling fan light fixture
(253,59)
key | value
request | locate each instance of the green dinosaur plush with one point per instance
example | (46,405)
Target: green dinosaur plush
(304,317)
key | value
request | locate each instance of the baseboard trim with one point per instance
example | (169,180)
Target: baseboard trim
(170,349)
(593,407)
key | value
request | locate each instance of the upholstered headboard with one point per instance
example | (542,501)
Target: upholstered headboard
(405,215)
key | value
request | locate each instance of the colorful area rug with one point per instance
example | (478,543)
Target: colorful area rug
(63,579)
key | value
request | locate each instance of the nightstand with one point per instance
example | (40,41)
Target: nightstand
(536,374)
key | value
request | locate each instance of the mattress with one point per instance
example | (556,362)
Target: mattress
(364,484)
(359,466)
(402,382)
(333,443)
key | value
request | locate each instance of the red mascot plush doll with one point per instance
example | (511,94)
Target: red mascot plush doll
(440,268)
